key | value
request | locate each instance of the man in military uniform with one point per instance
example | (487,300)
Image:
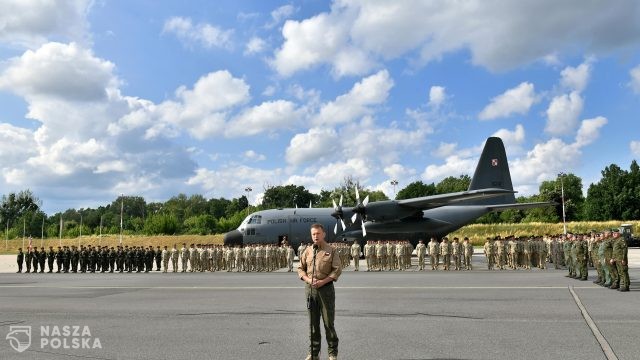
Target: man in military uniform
(184,257)
(355,255)
(319,267)
(42,259)
(20,260)
(28,259)
(445,253)
(456,253)
(619,259)
(158,255)
(434,253)
(84,259)
(421,252)
(467,250)
(35,258)
(66,259)
(75,258)
(500,253)
(581,249)
(175,254)
(59,255)
(611,272)
(51,256)
(488,252)
(568,260)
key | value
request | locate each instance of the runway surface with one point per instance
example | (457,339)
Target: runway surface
(480,314)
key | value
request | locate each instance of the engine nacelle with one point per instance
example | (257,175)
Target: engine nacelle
(387,210)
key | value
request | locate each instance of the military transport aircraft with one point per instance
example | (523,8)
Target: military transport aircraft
(437,215)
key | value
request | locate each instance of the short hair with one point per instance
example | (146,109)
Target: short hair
(318,226)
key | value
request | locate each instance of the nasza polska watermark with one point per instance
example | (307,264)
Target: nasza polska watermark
(54,337)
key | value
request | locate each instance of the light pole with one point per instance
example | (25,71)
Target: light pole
(564,217)
(248,189)
(121,215)
(394,183)
(100,236)
(80,239)
(42,230)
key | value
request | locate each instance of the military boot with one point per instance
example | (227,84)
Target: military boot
(624,289)
(614,286)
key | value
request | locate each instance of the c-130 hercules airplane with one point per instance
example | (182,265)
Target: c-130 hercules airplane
(437,215)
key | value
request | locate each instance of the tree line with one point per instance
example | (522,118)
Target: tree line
(615,197)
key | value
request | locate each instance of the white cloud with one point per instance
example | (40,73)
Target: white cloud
(544,162)
(400,172)
(589,131)
(437,96)
(280,14)
(16,145)
(269,91)
(563,113)
(364,95)
(268,116)
(74,98)
(202,110)
(32,23)
(576,78)
(254,156)
(384,144)
(454,166)
(512,140)
(308,43)
(231,180)
(635,79)
(315,144)
(513,101)
(203,34)
(330,175)
(255,45)
(66,71)
(433,29)
(635,148)
(445,150)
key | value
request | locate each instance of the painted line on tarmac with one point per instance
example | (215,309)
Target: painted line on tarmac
(295,287)
(606,348)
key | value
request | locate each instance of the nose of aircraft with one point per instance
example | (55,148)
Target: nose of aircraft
(233,237)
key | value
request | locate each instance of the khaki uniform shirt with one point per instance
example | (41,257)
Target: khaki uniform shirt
(328,263)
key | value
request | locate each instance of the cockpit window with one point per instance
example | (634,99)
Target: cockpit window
(255,219)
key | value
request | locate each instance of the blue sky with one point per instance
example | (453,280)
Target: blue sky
(155,98)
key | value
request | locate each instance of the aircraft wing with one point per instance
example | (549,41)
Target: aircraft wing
(434,201)
(521,206)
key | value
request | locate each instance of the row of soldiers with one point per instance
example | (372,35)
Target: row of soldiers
(200,257)
(247,258)
(384,255)
(515,253)
(606,250)
(89,259)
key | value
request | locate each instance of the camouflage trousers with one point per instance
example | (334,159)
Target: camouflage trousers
(623,274)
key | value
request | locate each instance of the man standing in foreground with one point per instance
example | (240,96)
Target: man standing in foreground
(319,290)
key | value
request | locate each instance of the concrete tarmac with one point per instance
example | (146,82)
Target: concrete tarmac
(479,314)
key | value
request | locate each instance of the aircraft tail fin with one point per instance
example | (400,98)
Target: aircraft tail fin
(492,171)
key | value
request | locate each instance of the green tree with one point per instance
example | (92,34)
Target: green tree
(573,198)
(200,225)
(453,184)
(416,189)
(287,196)
(165,224)
(16,205)
(615,196)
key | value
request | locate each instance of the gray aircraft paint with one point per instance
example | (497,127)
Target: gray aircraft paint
(490,190)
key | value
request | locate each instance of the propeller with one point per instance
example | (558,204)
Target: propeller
(360,209)
(338,214)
